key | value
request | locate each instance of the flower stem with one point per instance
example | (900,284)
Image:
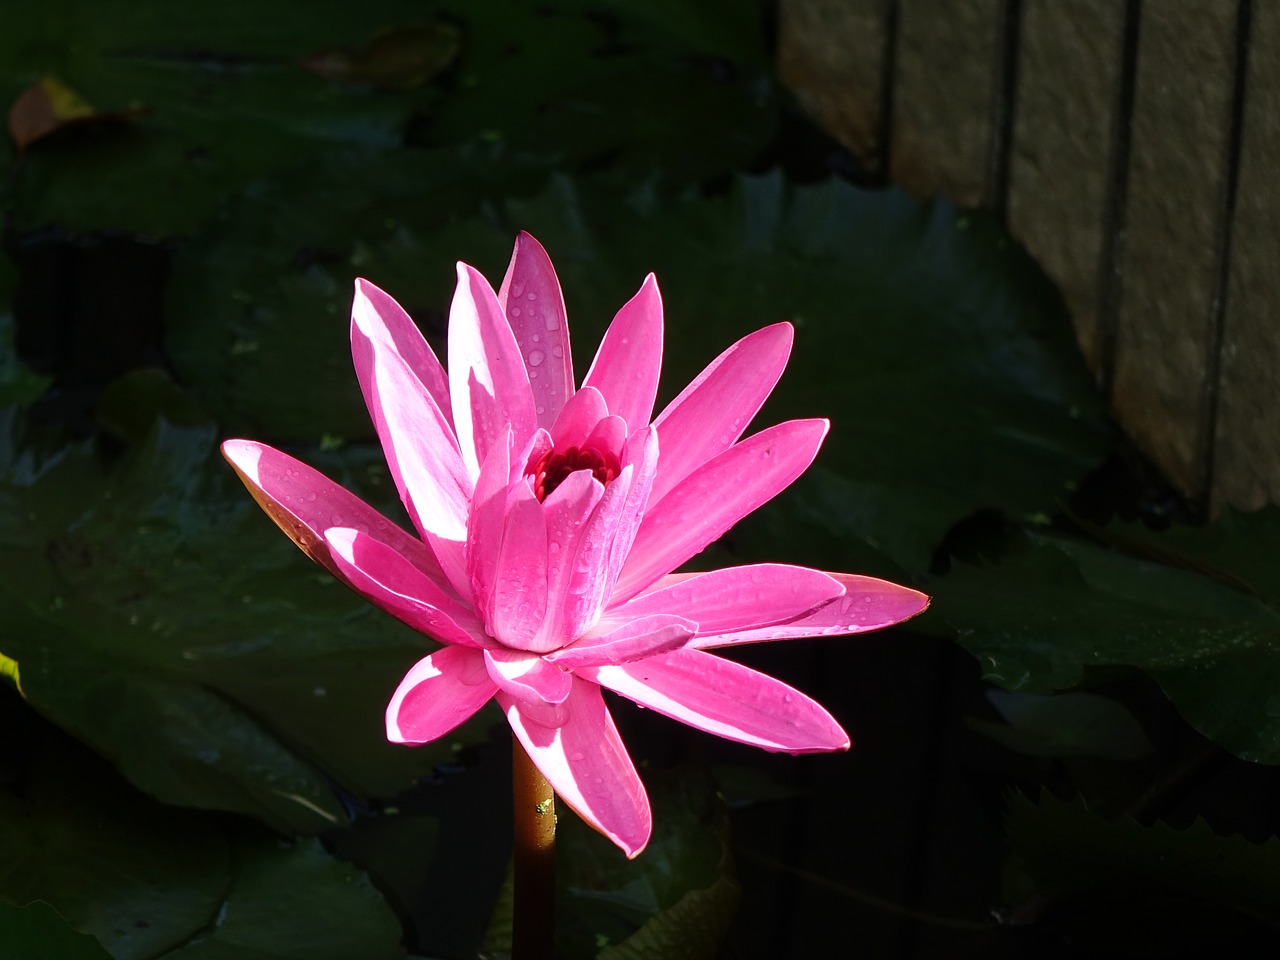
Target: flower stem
(534,809)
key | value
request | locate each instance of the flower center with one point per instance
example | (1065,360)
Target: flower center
(555,465)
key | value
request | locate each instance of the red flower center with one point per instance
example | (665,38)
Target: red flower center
(555,465)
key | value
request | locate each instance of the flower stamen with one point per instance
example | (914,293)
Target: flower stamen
(554,467)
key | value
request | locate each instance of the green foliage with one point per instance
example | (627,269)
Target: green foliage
(1049,609)
(150,610)
(148,880)
(36,931)
(1070,851)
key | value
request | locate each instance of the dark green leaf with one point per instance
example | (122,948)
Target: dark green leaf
(150,880)
(1051,607)
(37,932)
(1064,725)
(1069,851)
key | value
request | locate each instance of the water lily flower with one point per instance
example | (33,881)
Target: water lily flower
(549,518)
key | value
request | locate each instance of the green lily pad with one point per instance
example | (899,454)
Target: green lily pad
(154,612)
(1051,608)
(37,931)
(1069,851)
(218,97)
(149,880)
(141,877)
(294,902)
(1064,725)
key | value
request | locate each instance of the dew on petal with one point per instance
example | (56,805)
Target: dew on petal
(515,311)
(536,357)
(531,296)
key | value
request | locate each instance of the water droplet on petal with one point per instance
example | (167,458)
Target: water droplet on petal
(515,311)
(557,351)
(531,296)
(537,337)
(536,357)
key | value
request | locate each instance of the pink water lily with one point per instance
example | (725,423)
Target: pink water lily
(549,520)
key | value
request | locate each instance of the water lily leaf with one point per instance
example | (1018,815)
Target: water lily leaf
(1051,607)
(148,879)
(37,931)
(1064,725)
(294,902)
(241,91)
(156,613)
(676,899)
(139,876)
(1069,851)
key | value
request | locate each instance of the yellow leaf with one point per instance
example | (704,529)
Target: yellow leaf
(9,668)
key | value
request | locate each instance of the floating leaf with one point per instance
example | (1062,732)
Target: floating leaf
(1050,608)
(148,879)
(37,932)
(1064,725)
(1069,851)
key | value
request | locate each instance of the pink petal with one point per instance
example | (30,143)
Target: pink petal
(304,503)
(590,576)
(421,451)
(521,592)
(438,693)
(579,417)
(567,510)
(487,379)
(387,580)
(712,412)
(867,604)
(527,677)
(627,364)
(627,642)
(725,698)
(715,497)
(486,523)
(642,454)
(379,317)
(738,598)
(586,763)
(531,298)
(609,435)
